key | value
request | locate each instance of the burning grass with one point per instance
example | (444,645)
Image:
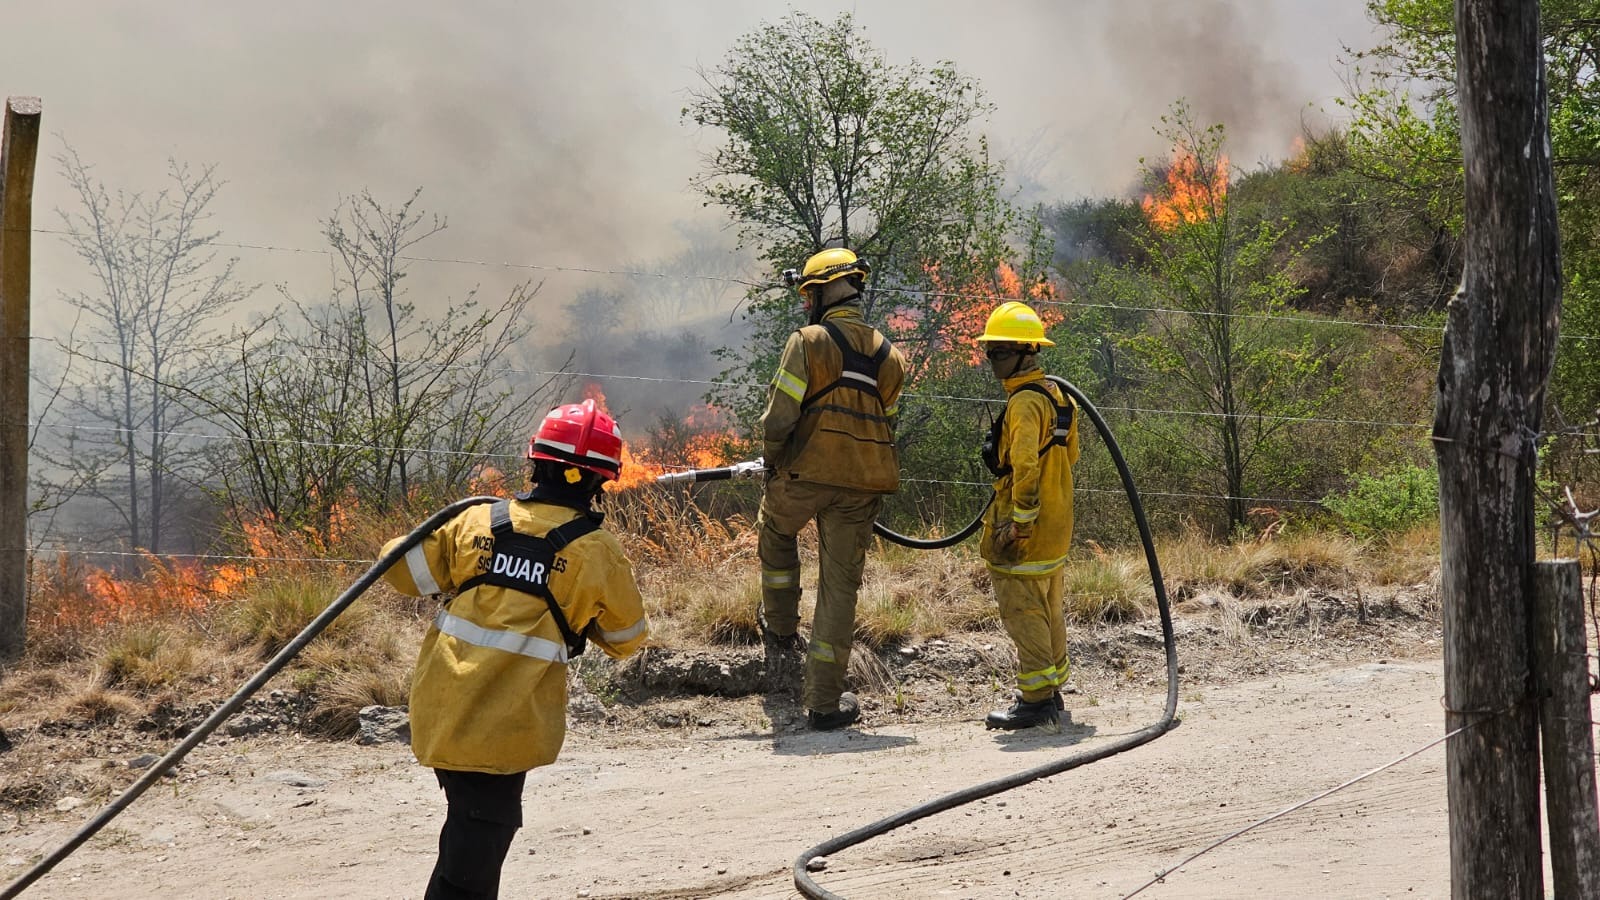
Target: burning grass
(107,649)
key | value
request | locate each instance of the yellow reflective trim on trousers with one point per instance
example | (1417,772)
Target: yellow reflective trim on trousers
(823,651)
(1044,567)
(1024,516)
(892,411)
(790,384)
(1051,676)
(1034,684)
(779,578)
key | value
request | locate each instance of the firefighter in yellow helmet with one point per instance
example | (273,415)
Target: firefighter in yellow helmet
(828,439)
(1026,531)
(535,579)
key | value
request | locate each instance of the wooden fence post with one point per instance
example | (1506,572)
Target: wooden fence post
(1561,666)
(18,148)
(1499,346)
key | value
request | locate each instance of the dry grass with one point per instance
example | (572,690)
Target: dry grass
(1411,557)
(341,697)
(1108,587)
(700,576)
(1261,568)
(151,656)
(273,610)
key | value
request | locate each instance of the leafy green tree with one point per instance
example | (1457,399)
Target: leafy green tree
(1406,131)
(826,143)
(1218,349)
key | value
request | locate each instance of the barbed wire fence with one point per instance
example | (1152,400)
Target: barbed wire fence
(1569,520)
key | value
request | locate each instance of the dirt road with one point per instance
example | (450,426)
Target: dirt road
(723,810)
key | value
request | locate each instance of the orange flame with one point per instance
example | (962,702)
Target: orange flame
(968,307)
(1192,193)
(700,441)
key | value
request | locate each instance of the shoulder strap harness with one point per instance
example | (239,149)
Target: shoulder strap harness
(1058,437)
(522,562)
(860,371)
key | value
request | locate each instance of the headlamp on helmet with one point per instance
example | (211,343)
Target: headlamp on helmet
(828,265)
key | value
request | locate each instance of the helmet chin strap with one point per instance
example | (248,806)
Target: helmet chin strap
(1022,362)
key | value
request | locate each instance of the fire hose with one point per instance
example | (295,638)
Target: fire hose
(758,467)
(1168,720)
(802,878)
(290,650)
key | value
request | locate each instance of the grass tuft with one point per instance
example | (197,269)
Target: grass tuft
(149,656)
(272,611)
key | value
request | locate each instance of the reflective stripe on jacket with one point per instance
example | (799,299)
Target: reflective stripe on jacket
(490,689)
(844,437)
(1038,489)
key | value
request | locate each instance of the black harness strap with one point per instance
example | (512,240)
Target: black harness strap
(523,563)
(1058,436)
(860,371)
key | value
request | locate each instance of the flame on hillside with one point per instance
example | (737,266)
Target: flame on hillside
(966,308)
(699,442)
(1193,192)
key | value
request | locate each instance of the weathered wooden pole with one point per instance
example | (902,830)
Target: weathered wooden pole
(1561,666)
(1499,346)
(18,147)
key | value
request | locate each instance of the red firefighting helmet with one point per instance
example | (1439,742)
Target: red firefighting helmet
(582,435)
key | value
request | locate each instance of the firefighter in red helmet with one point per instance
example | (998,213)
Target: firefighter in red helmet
(828,439)
(534,581)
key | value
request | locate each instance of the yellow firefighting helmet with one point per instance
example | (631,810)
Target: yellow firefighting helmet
(1017,322)
(829,265)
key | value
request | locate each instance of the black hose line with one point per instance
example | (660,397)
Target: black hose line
(802,878)
(201,731)
(951,540)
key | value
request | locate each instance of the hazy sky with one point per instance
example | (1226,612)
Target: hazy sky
(550,133)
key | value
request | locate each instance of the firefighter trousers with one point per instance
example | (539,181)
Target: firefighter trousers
(1031,610)
(484,813)
(844,529)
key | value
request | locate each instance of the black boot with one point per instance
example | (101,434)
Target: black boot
(1023,714)
(779,641)
(847,713)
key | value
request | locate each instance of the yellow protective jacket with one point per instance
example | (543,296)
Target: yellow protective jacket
(490,689)
(1038,489)
(818,427)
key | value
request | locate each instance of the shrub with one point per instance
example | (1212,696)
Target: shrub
(1388,502)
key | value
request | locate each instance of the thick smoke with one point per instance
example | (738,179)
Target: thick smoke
(549,134)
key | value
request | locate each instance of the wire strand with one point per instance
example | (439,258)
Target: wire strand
(1161,876)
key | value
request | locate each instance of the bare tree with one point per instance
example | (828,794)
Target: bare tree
(364,397)
(160,290)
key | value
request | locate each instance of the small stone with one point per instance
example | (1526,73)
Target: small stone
(67,804)
(384,724)
(910,652)
(816,864)
(722,870)
(588,830)
(143,761)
